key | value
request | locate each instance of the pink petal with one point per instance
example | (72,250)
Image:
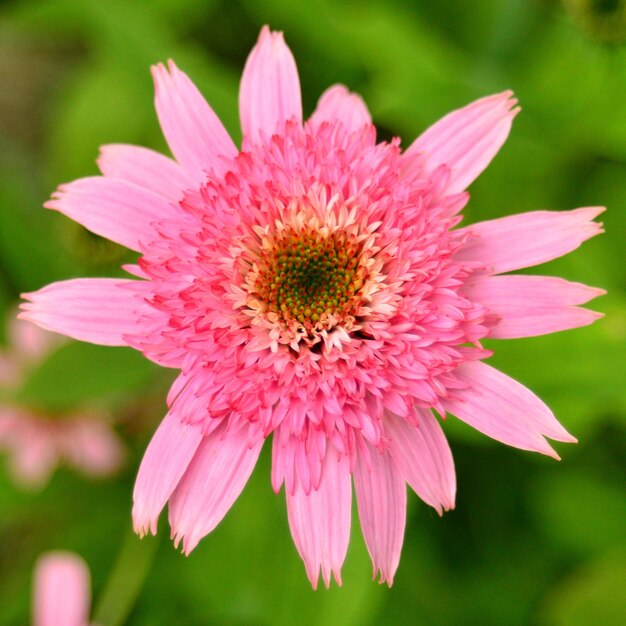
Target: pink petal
(61,595)
(195,135)
(338,104)
(527,239)
(92,445)
(381,499)
(33,452)
(269,94)
(532,305)
(213,481)
(467,139)
(166,459)
(320,521)
(112,208)
(145,168)
(30,342)
(422,456)
(97,310)
(504,409)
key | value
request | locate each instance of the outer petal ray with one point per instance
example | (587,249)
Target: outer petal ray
(213,481)
(504,409)
(145,168)
(423,458)
(115,209)
(269,94)
(98,310)
(166,459)
(320,521)
(532,305)
(467,139)
(195,135)
(381,499)
(518,241)
(337,103)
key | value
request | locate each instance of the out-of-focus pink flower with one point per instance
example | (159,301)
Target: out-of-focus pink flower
(313,285)
(35,442)
(61,590)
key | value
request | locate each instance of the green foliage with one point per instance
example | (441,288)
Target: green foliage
(79,372)
(531,541)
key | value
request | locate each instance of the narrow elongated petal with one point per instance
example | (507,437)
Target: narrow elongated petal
(269,94)
(532,305)
(97,310)
(337,103)
(527,239)
(213,481)
(467,139)
(194,133)
(146,168)
(423,458)
(504,409)
(166,459)
(320,521)
(115,209)
(61,590)
(381,500)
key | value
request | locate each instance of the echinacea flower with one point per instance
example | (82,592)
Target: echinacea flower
(34,441)
(313,286)
(61,590)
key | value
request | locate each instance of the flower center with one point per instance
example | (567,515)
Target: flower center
(310,279)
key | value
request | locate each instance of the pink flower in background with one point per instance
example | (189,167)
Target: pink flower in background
(35,443)
(61,590)
(313,286)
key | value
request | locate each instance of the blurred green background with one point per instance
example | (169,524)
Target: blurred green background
(532,541)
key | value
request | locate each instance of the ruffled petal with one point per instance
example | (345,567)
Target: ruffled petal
(213,481)
(504,409)
(145,168)
(269,94)
(338,104)
(381,500)
(320,521)
(194,133)
(97,310)
(112,208)
(62,592)
(423,457)
(526,306)
(467,139)
(527,239)
(166,459)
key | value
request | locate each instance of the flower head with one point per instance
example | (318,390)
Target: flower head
(61,594)
(314,286)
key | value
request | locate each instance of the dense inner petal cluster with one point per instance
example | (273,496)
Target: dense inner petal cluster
(310,280)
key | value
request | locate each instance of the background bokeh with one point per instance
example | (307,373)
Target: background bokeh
(532,541)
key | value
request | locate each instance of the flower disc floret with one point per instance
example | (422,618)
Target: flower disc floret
(310,280)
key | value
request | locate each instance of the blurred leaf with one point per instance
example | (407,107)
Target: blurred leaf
(30,253)
(576,86)
(103,106)
(592,595)
(579,512)
(79,372)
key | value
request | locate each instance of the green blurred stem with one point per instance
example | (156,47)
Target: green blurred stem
(126,580)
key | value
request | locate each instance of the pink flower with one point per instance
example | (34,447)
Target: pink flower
(35,442)
(61,594)
(313,286)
